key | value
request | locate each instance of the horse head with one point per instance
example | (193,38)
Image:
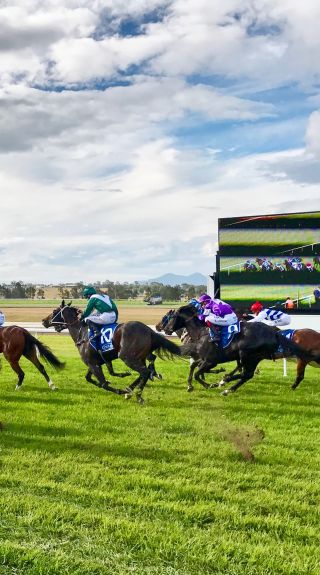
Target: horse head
(180,318)
(161,325)
(61,317)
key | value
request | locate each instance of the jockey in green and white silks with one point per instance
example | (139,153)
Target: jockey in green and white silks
(106,310)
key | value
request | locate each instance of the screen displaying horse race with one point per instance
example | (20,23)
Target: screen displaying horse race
(271,258)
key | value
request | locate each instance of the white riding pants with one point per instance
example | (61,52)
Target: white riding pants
(228,319)
(102,318)
(283,320)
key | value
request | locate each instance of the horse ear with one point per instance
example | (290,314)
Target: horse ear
(62,303)
(70,302)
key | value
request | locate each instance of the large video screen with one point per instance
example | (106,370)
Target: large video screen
(271,258)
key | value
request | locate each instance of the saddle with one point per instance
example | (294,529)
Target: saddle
(103,341)
(227,334)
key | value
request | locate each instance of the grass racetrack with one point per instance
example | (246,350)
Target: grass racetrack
(92,484)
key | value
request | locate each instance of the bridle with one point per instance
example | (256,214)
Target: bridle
(63,324)
(185,319)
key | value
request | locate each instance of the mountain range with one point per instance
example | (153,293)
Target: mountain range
(174,279)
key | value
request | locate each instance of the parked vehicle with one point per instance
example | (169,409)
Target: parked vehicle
(155,299)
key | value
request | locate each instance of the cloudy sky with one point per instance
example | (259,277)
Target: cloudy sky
(128,127)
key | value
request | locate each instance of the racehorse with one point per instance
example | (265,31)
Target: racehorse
(255,342)
(16,341)
(133,342)
(185,338)
(264,264)
(309,341)
(249,266)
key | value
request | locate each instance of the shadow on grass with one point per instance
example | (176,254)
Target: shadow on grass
(56,440)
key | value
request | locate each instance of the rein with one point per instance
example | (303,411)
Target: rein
(52,322)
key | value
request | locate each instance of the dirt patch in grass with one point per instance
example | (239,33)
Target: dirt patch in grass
(244,440)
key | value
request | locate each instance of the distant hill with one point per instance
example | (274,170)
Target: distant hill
(195,279)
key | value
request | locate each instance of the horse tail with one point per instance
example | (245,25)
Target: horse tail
(293,348)
(32,342)
(164,347)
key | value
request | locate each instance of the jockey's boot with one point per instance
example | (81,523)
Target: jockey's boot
(96,331)
(215,334)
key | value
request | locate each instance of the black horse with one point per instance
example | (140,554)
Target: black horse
(255,342)
(133,342)
(184,337)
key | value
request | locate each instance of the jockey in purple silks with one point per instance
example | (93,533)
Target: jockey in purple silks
(200,304)
(218,314)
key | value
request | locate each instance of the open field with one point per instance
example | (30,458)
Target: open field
(17,310)
(244,295)
(94,485)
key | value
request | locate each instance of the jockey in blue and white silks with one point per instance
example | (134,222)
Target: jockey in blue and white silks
(272,317)
(2,318)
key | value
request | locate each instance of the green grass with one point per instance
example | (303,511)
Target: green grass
(94,485)
(250,293)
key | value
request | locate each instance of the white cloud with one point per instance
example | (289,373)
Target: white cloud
(117,182)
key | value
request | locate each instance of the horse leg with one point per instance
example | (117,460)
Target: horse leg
(96,370)
(226,377)
(139,366)
(16,367)
(34,359)
(193,364)
(301,367)
(89,377)
(151,366)
(114,373)
(204,367)
(247,373)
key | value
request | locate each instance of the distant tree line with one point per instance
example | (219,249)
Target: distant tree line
(126,290)
(116,290)
(19,290)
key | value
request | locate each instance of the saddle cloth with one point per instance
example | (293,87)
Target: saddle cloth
(227,334)
(288,333)
(104,341)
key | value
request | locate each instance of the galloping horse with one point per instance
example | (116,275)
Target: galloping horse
(16,341)
(133,342)
(309,341)
(185,338)
(255,342)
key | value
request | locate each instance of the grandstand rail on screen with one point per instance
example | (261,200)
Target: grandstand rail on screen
(270,258)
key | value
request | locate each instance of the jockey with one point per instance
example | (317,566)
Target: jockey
(106,309)
(2,318)
(200,303)
(269,316)
(218,314)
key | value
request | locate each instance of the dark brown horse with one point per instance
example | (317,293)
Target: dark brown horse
(16,341)
(184,337)
(133,342)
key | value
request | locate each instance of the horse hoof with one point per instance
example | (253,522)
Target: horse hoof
(140,400)
(17,387)
(214,385)
(221,383)
(189,389)
(225,392)
(159,376)
(128,395)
